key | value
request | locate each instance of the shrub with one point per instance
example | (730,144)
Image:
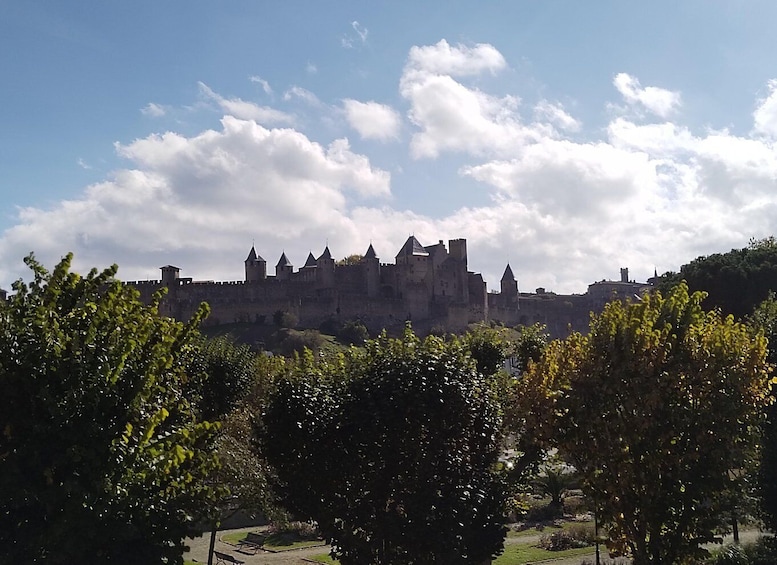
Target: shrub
(574,537)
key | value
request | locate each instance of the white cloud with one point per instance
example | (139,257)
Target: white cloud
(153,110)
(311,69)
(348,41)
(452,116)
(261,82)
(460,60)
(190,199)
(372,120)
(555,114)
(246,110)
(659,101)
(83,164)
(302,94)
(765,115)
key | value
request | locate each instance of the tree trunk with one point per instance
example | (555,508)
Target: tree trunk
(212,543)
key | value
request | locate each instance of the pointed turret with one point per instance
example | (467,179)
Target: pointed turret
(509,288)
(284,267)
(256,267)
(372,270)
(283,261)
(311,261)
(326,254)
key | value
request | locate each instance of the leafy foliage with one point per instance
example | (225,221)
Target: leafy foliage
(655,408)
(229,371)
(392,450)
(764,319)
(737,281)
(101,457)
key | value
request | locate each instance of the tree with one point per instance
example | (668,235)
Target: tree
(101,457)
(764,319)
(736,281)
(392,450)
(229,371)
(655,408)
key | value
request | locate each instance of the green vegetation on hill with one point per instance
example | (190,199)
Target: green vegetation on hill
(736,281)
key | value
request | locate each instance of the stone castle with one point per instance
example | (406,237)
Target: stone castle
(430,286)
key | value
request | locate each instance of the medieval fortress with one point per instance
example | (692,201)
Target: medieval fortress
(427,285)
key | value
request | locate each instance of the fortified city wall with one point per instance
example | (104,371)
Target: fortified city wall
(430,286)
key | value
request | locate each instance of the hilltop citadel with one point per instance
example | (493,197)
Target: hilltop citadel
(429,285)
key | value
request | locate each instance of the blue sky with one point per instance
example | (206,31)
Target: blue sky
(568,138)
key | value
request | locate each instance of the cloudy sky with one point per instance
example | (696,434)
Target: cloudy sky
(567,138)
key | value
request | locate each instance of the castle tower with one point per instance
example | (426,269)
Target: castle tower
(458,251)
(325,269)
(284,268)
(256,267)
(170,275)
(372,270)
(509,288)
(624,274)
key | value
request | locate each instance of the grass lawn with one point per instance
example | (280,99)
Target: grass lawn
(276,542)
(516,554)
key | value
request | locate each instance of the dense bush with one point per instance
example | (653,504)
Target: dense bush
(579,535)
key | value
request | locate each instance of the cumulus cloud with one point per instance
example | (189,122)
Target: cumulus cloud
(459,60)
(372,120)
(245,110)
(185,198)
(659,101)
(765,115)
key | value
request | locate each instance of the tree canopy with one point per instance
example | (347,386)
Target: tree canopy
(393,450)
(656,408)
(102,458)
(736,281)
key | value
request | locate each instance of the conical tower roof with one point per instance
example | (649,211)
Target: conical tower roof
(370,253)
(412,247)
(311,261)
(252,256)
(508,276)
(326,254)
(283,261)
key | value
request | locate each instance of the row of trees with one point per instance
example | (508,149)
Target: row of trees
(396,449)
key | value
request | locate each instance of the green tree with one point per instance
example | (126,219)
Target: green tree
(392,450)
(228,372)
(655,408)
(764,319)
(102,459)
(736,281)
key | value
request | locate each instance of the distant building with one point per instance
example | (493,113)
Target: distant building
(428,285)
